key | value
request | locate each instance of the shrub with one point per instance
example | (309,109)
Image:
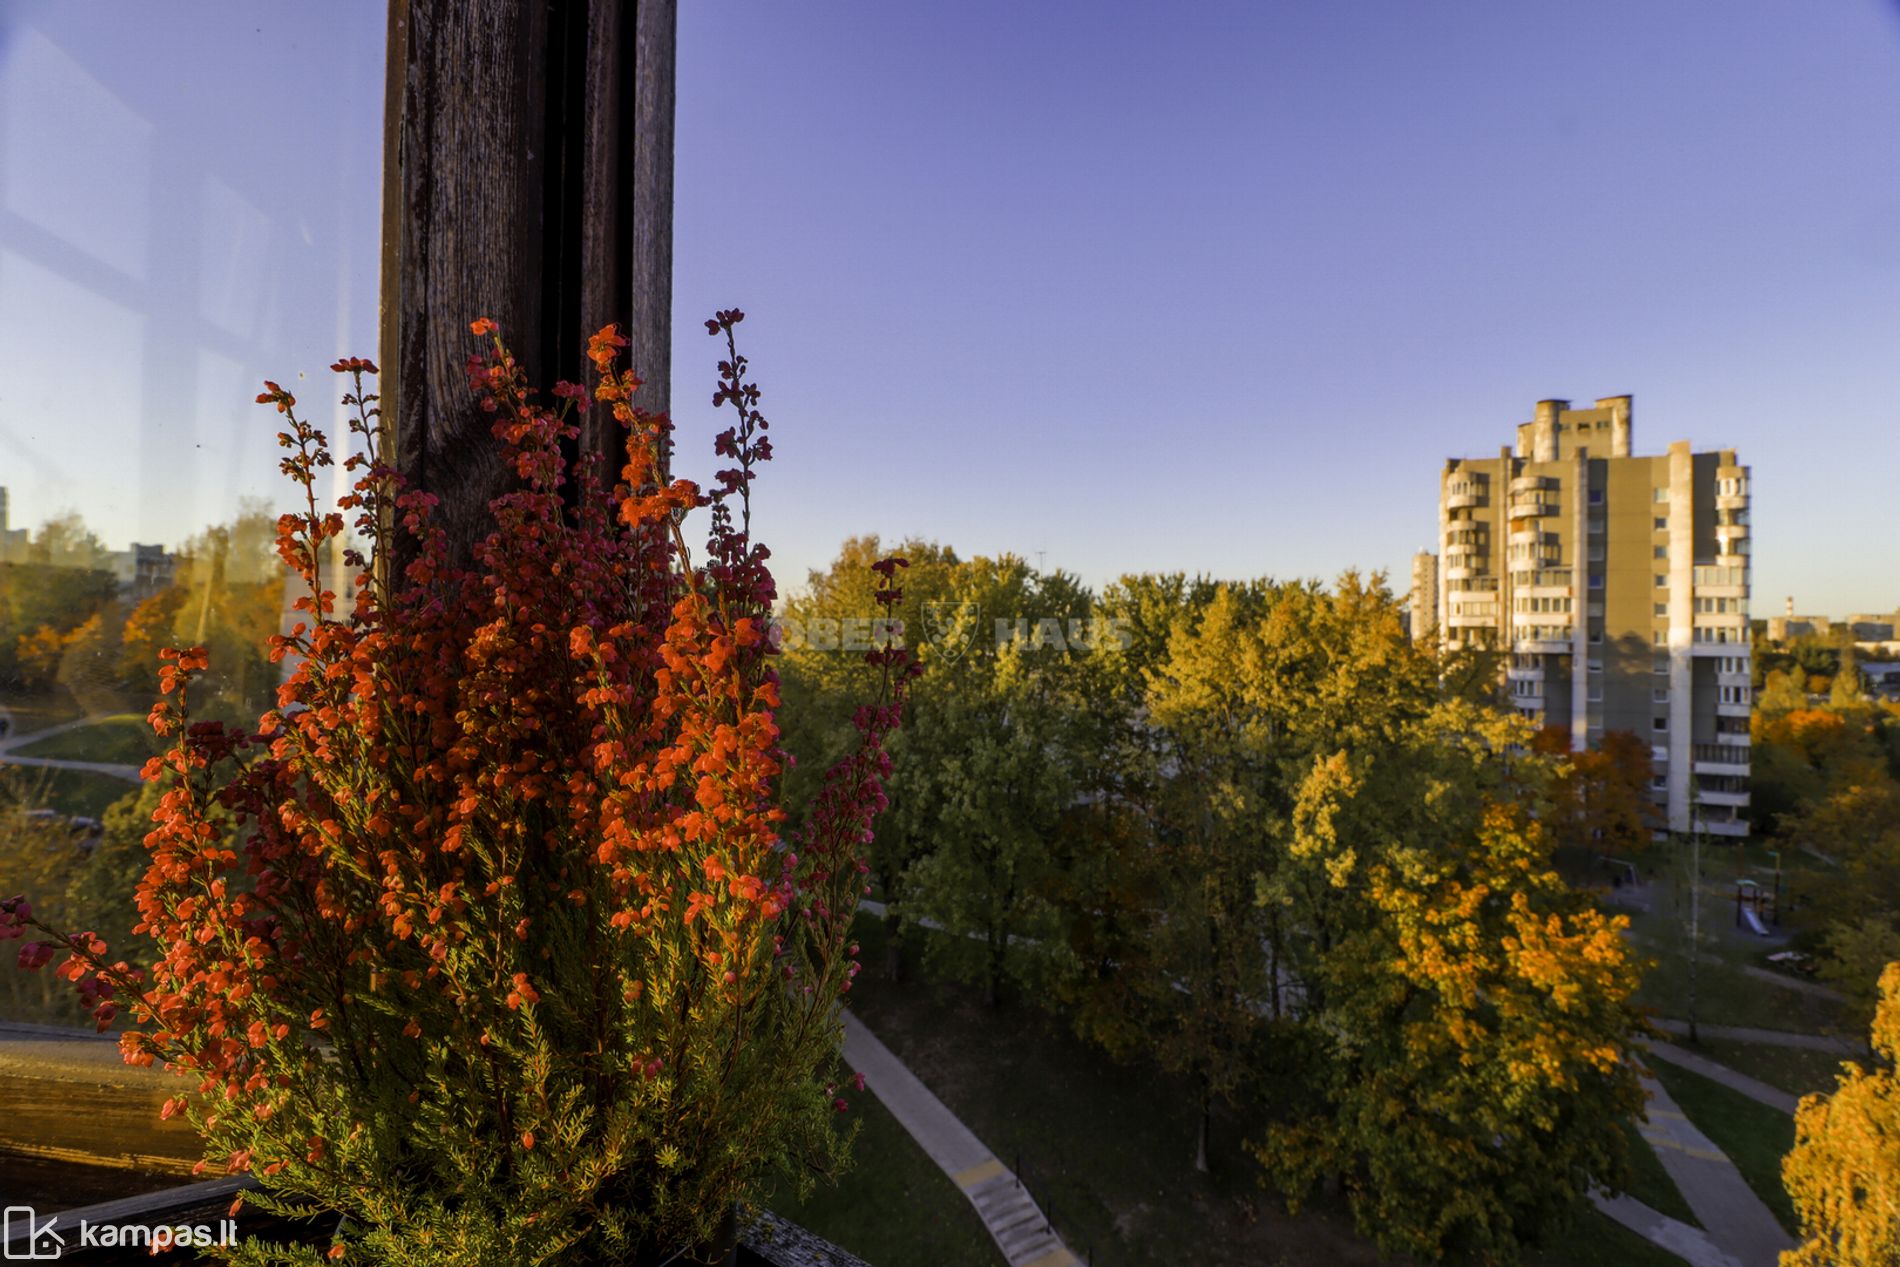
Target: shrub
(512,961)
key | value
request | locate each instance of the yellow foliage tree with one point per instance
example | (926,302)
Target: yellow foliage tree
(1844,1170)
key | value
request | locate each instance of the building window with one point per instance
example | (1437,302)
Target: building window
(1596,580)
(1662,495)
(1596,693)
(1662,664)
(1596,666)
(1659,754)
(1662,580)
(1662,523)
(1662,609)
(1596,497)
(1659,723)
(1661,552)
(1596,633)
(1659,695)
(1660,637)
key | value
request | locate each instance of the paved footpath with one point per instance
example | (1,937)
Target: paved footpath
(1753,1088)
(10,742)
(1691,1244)
(1734,1217)
(1013,1219)
(1770,1037)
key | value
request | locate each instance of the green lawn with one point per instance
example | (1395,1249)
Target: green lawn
(1600,1241)
(37,712)
(1794,1069)
(894,1206)
(72,791)
(1650,1183)
(1107,1149)
(123,739)
(1754,1136)
(1724,996)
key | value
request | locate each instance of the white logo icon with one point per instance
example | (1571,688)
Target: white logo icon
(37,1241)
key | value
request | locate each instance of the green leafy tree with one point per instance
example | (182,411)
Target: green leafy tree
(822,682)
(1113,984)
(996,795)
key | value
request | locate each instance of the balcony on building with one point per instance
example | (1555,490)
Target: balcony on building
(1721,581)
(1731,798)
(1721,758)
(1545,583)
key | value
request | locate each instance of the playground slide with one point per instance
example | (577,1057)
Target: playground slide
(1754,922)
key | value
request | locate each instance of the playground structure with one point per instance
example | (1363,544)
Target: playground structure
(1752,903)
(1622,873)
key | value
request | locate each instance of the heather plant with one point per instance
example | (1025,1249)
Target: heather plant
(490,937)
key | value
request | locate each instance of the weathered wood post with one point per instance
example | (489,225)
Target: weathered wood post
(528,177)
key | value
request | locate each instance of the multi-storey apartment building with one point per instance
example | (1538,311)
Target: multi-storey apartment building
(1618,587)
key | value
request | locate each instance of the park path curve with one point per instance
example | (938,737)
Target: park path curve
(20,739)
(1014,1220)
(1769,1037)
(1728,1209)
(1753,1088)
(10,742)
(1691,1244)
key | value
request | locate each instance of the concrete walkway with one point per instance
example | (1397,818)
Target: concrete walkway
(1691,1244)
(1753,1088)
(1782,979)
(1769,1037)
(1728,1209)
(14,740)
(130,773)
(1012,1217)
(8,744)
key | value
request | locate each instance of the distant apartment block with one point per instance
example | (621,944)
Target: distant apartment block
(1870,631)
(13,541)
(1617,586)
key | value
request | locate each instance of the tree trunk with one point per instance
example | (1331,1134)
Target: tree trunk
(527,177)
(893,945)
(993,991)
(1200,1133)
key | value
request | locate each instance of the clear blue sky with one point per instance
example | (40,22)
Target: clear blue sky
(1217,290)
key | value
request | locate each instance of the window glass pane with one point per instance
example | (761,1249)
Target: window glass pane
(189,204)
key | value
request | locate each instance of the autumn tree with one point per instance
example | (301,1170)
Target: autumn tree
(42,602)
(1477,1067)
(1843,1173)
(1599,799)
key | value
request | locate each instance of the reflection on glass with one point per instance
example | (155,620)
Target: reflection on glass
(188,205)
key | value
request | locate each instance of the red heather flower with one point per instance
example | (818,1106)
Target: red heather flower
(513,832)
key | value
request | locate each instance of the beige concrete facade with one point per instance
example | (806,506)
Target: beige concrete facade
(1617,586)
